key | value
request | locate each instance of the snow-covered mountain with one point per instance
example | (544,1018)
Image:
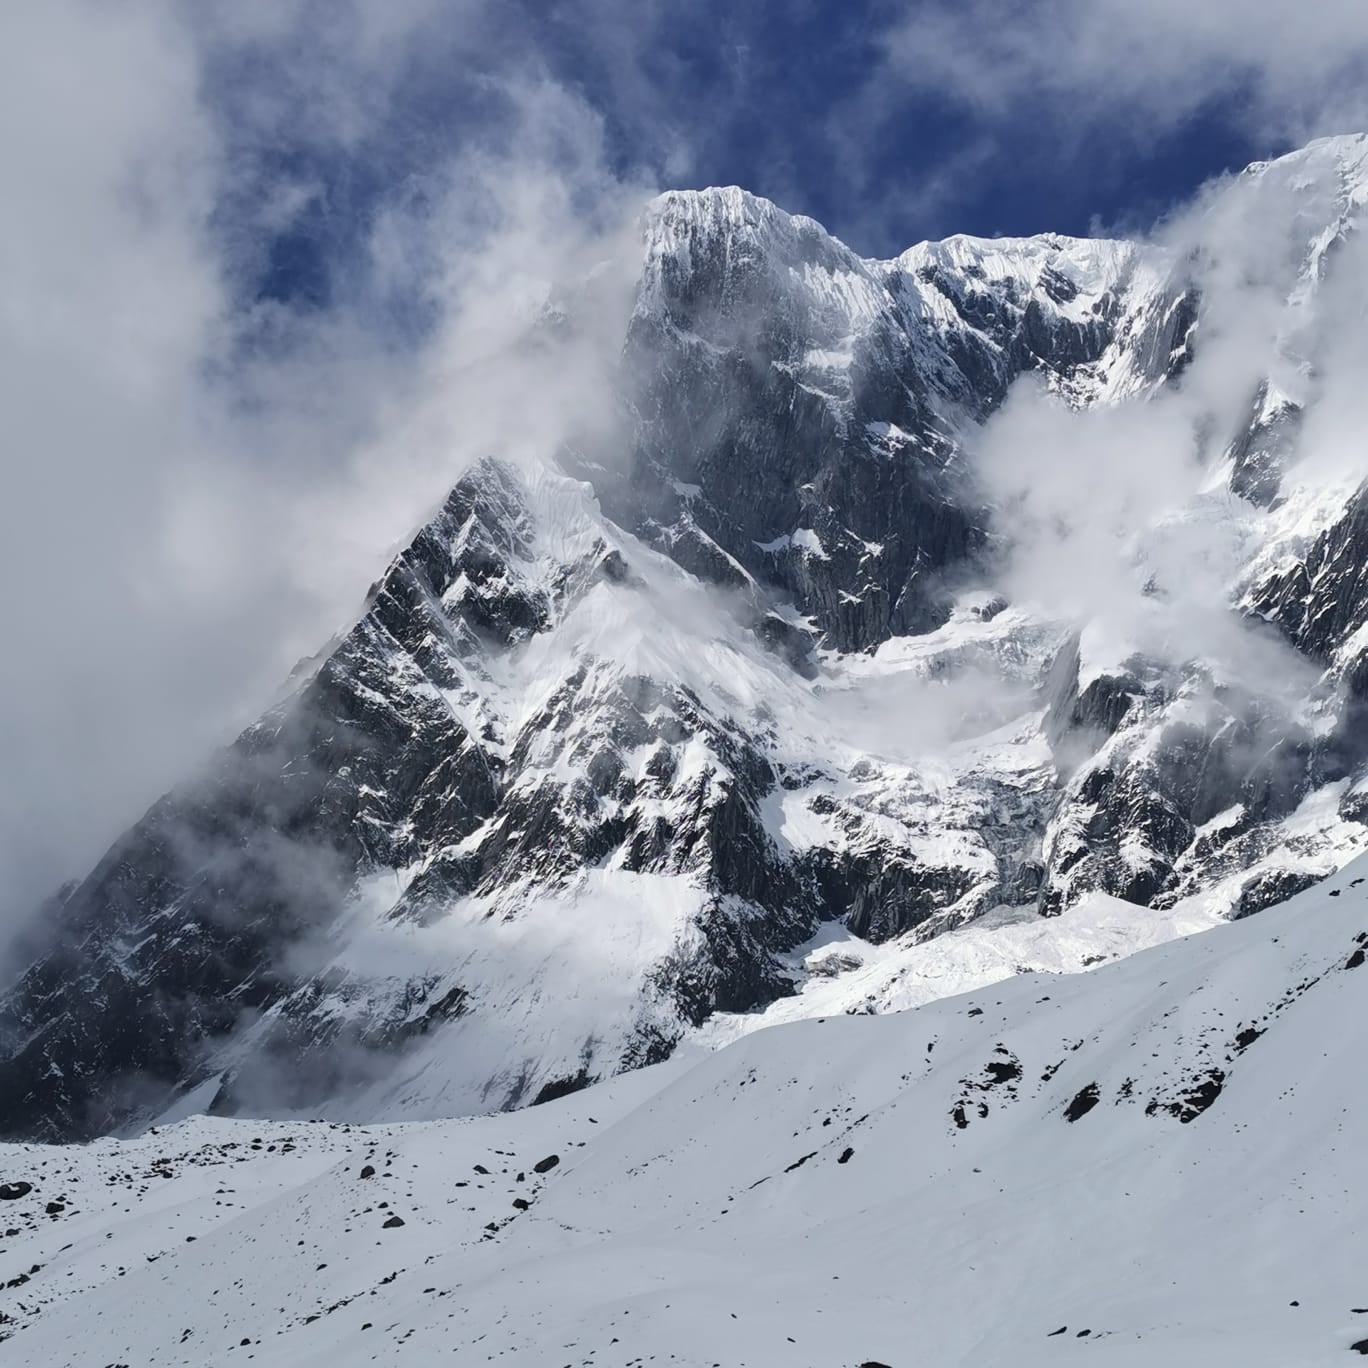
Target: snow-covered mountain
(750,714)
(1157,1162)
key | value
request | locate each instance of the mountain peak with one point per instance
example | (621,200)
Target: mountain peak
(743,710)
(1328,175)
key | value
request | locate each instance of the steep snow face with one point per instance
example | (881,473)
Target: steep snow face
(737,724)
(1159,1160)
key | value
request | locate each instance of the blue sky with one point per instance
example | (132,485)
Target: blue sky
(807,103)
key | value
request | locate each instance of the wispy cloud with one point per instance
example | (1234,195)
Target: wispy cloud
(1150,67)
(202,476)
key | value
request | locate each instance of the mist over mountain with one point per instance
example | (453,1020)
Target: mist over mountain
(813,634)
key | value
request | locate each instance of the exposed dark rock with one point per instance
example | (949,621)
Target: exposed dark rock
(1203,1092)
(547,1164)
(1083,1101)
(11,1192)
(1261,452)
(1270,888)
(562,1087)
(1002,1070)
(1323,600)
(221,876)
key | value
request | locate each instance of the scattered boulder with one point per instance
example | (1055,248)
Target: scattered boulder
(547,1164)
(521,1203)
(392,1222)
(1204,1091)
(1084,1100)
(1006,1069)
(367,1171)
(845,1155)
(12,1192)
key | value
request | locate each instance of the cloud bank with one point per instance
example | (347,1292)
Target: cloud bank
(206,467)
(1297,71)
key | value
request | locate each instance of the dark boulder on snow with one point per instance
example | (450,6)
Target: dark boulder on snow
(1083,1101)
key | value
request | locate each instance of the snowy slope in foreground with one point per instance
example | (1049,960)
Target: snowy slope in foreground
(1157,1162)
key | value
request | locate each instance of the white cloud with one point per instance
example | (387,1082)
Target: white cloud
(1295,69)
(1121,516)
(198,488)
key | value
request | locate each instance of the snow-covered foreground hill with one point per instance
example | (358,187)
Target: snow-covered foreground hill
(1160,1161)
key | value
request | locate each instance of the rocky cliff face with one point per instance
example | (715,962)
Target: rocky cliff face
(609,743)
(801,411)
